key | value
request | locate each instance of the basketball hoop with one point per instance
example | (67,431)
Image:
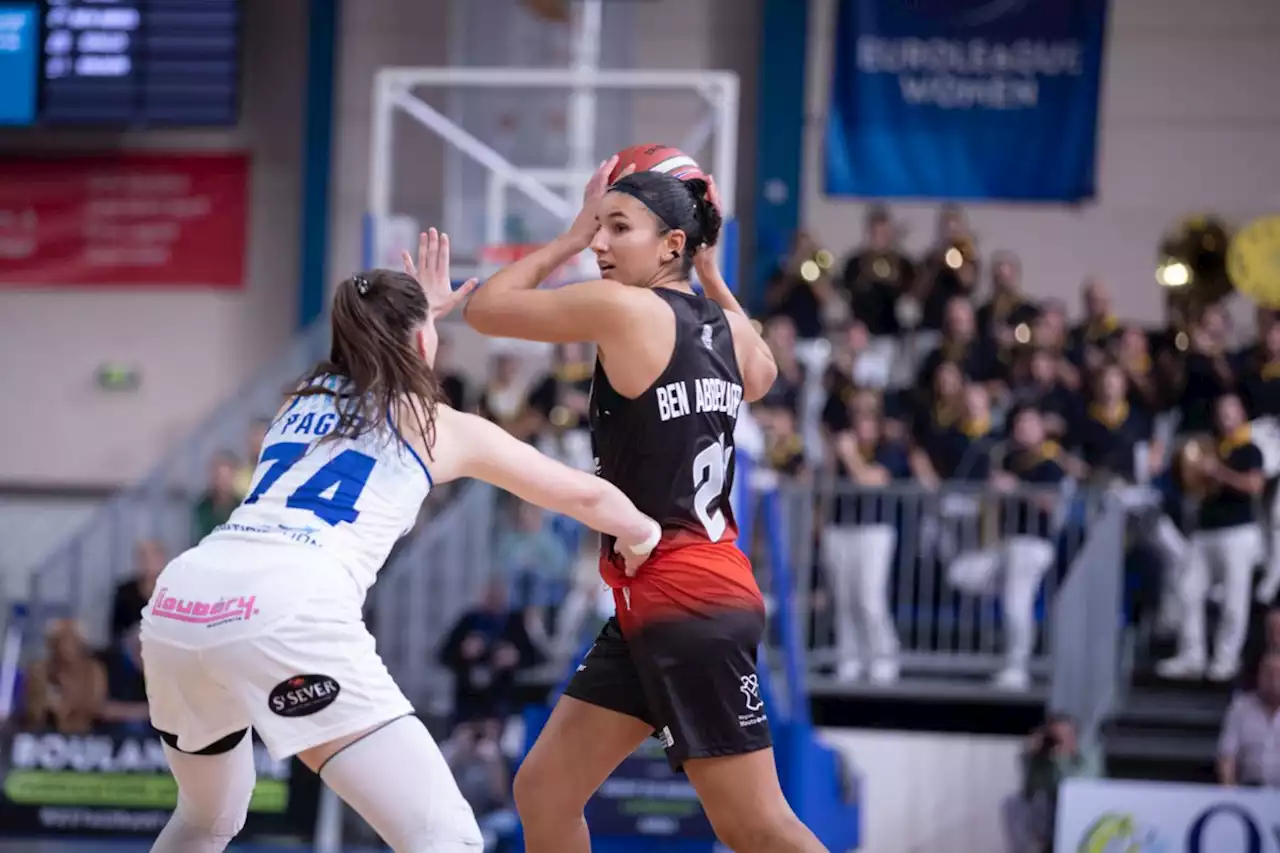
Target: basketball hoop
(495,257)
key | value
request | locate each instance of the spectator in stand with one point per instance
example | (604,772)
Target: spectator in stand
(1259,372)
(1052,755)
(1249,747)
(1049,332)
(219,500)
(1030,475)
(484,650)
(1091,340)
(1226,545)
(452,384)
(505,398)
(1207,371)
(783,445)
(954,438)
(253,448)
(788,388)
(961,346)
(1007,316)
(126,700)
(877,275)
(132,595)
(858,546)
(1038,383)
(804,301)
(1133,354)
(66,690)
(538,566)
(950,270)
(562,401)
(1113,435)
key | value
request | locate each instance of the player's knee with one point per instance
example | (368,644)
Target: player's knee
(539,799)
(222,821)
(765,832)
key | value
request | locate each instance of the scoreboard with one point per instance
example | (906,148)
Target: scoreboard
(140,63)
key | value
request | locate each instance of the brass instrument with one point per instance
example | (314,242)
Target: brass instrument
(958,253)
(1192,266)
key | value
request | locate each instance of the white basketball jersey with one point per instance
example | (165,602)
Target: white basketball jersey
(350,499)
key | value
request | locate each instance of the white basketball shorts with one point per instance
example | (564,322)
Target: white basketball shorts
(269,636)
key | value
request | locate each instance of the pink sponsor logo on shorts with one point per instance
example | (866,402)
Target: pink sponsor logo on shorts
(231,609)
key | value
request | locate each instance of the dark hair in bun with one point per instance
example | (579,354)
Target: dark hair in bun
(681,205)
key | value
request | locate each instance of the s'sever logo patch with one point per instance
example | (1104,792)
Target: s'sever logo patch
(303,695)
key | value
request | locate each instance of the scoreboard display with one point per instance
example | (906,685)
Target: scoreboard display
(139,63)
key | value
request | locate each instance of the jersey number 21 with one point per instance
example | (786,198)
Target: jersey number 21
(710,470)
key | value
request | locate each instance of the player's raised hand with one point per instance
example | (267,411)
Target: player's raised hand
(586,223)
(432,272)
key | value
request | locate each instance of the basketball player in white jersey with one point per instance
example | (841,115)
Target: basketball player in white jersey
(260,624)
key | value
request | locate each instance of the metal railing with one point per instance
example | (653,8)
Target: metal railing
(942,629)
(78,577)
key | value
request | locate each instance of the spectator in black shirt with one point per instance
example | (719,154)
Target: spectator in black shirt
(1029,477)
(788,293)
(1112,432)
(954,439)
(126,705)
(1042,388)
(1091,340)
(484,650)
(1049,332)
(961,345)
(951,269)
(1260,376)
(788,388)
(452,383)
(1226,547)
(1007,310)
(877,275)
(132,595)
(858,547)
(1206,370)
(1133,354)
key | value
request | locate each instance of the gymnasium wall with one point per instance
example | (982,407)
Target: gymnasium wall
(192,348)
(1189,123)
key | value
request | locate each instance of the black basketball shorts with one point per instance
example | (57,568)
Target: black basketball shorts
(692,679)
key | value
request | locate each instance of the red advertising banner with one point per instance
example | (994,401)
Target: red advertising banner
(124,220)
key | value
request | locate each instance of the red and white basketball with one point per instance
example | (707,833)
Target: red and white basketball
(652,157)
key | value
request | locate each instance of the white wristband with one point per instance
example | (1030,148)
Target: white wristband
(646,547)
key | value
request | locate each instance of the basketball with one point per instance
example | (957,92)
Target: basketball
(652,157)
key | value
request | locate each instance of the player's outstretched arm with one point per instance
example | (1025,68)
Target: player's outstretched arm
(470,446)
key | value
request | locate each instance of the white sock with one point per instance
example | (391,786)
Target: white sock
(397,780)
(213,799)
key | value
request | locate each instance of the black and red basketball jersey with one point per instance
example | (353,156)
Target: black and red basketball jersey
(670,450)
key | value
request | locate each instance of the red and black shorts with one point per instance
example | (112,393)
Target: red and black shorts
(681,654)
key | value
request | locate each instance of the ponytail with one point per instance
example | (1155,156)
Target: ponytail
(374,357)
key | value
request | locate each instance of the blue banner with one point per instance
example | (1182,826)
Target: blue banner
(965,99)
(19,37)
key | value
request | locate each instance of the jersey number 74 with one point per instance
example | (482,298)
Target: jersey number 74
(345,475)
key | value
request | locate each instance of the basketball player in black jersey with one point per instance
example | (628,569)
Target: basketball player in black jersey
(679,659)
